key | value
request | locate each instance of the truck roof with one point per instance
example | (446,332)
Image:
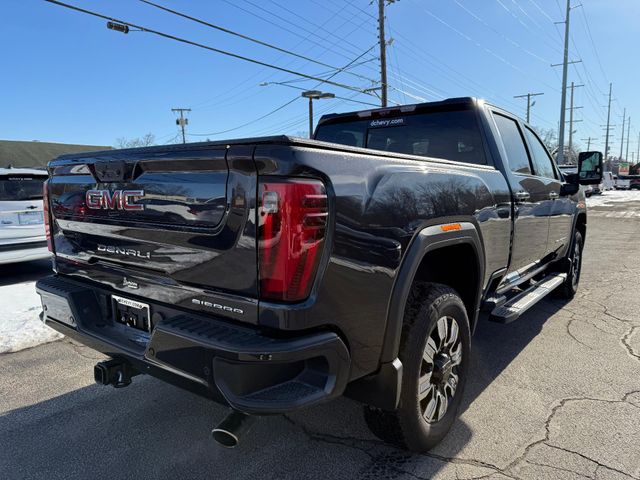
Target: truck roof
(410,108)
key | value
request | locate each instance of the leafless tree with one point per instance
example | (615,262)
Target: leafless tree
(145,141)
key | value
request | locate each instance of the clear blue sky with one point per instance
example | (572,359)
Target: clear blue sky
(66,78)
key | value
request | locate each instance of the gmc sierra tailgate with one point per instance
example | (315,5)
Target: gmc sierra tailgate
(182,216)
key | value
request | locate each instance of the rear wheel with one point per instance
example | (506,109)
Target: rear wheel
(434,353)
(573,268)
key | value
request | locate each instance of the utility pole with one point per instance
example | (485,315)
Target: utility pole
(182,121)
(588,140)
(571,109)
(638,154)
(563,98)
(626,157)
(624,114)
(606,142)
(383,54)
(529,104)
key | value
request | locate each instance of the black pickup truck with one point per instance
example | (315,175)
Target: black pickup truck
(271,274)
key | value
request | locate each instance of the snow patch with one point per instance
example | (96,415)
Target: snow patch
(20,326)
(613,197)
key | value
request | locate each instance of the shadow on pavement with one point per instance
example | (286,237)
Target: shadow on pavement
(154,430)
(24,271)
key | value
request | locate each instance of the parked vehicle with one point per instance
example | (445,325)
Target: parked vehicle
(22,235)
(634,182)
(623,183)
(356,263)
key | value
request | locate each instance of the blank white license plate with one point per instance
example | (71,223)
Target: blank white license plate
(30,218)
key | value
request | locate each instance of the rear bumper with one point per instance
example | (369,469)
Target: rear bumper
(253,371)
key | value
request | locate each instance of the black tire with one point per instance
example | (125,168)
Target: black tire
(407,427)
(573,268)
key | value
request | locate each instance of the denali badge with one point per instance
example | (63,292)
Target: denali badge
(116,200)
(123,251)
(217,306)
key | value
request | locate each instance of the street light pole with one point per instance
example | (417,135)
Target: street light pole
(314,95)
(310,117)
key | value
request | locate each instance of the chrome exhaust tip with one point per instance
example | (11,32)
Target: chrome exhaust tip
(228,432)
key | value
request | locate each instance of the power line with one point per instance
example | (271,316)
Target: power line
(305,19)
(593,43)
(284,84)
(338,43)
(519,20)
(247,123)
(498,32)
(250,78)
(251,39)
(477,44)
(541,10)
(291,101)
(207,47)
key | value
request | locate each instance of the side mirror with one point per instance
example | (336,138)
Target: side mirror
(572,184)
(590,168)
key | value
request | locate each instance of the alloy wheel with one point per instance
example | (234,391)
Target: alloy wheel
(439,371)
(575,264)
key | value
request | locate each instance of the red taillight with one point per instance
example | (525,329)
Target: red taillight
(292,222)
(47,224)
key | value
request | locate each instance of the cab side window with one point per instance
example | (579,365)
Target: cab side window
(513,142)
(542,163)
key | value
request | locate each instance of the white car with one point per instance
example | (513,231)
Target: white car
(623,183)
(22,236)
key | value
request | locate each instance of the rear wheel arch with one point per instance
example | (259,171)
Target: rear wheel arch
(437,256)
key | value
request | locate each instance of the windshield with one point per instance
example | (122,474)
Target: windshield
(21,187)
(452,135)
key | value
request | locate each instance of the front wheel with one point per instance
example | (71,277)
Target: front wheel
(573,268)
(434,352)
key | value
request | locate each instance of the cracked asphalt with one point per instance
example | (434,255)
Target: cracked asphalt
(554,395)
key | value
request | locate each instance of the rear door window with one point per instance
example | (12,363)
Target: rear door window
(21,187)
(542,163)
(352,134)
(451,135)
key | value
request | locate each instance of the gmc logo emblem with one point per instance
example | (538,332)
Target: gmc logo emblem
(116,200)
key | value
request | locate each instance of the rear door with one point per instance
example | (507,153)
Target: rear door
(21,217)
(530,196)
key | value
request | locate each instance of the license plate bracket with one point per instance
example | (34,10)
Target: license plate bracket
(131,313)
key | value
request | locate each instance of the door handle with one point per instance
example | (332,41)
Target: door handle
(522,196)
(553,195)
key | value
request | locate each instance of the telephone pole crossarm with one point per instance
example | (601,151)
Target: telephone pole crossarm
(529,96)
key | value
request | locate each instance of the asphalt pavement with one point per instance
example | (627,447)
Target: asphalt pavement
(554,395)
